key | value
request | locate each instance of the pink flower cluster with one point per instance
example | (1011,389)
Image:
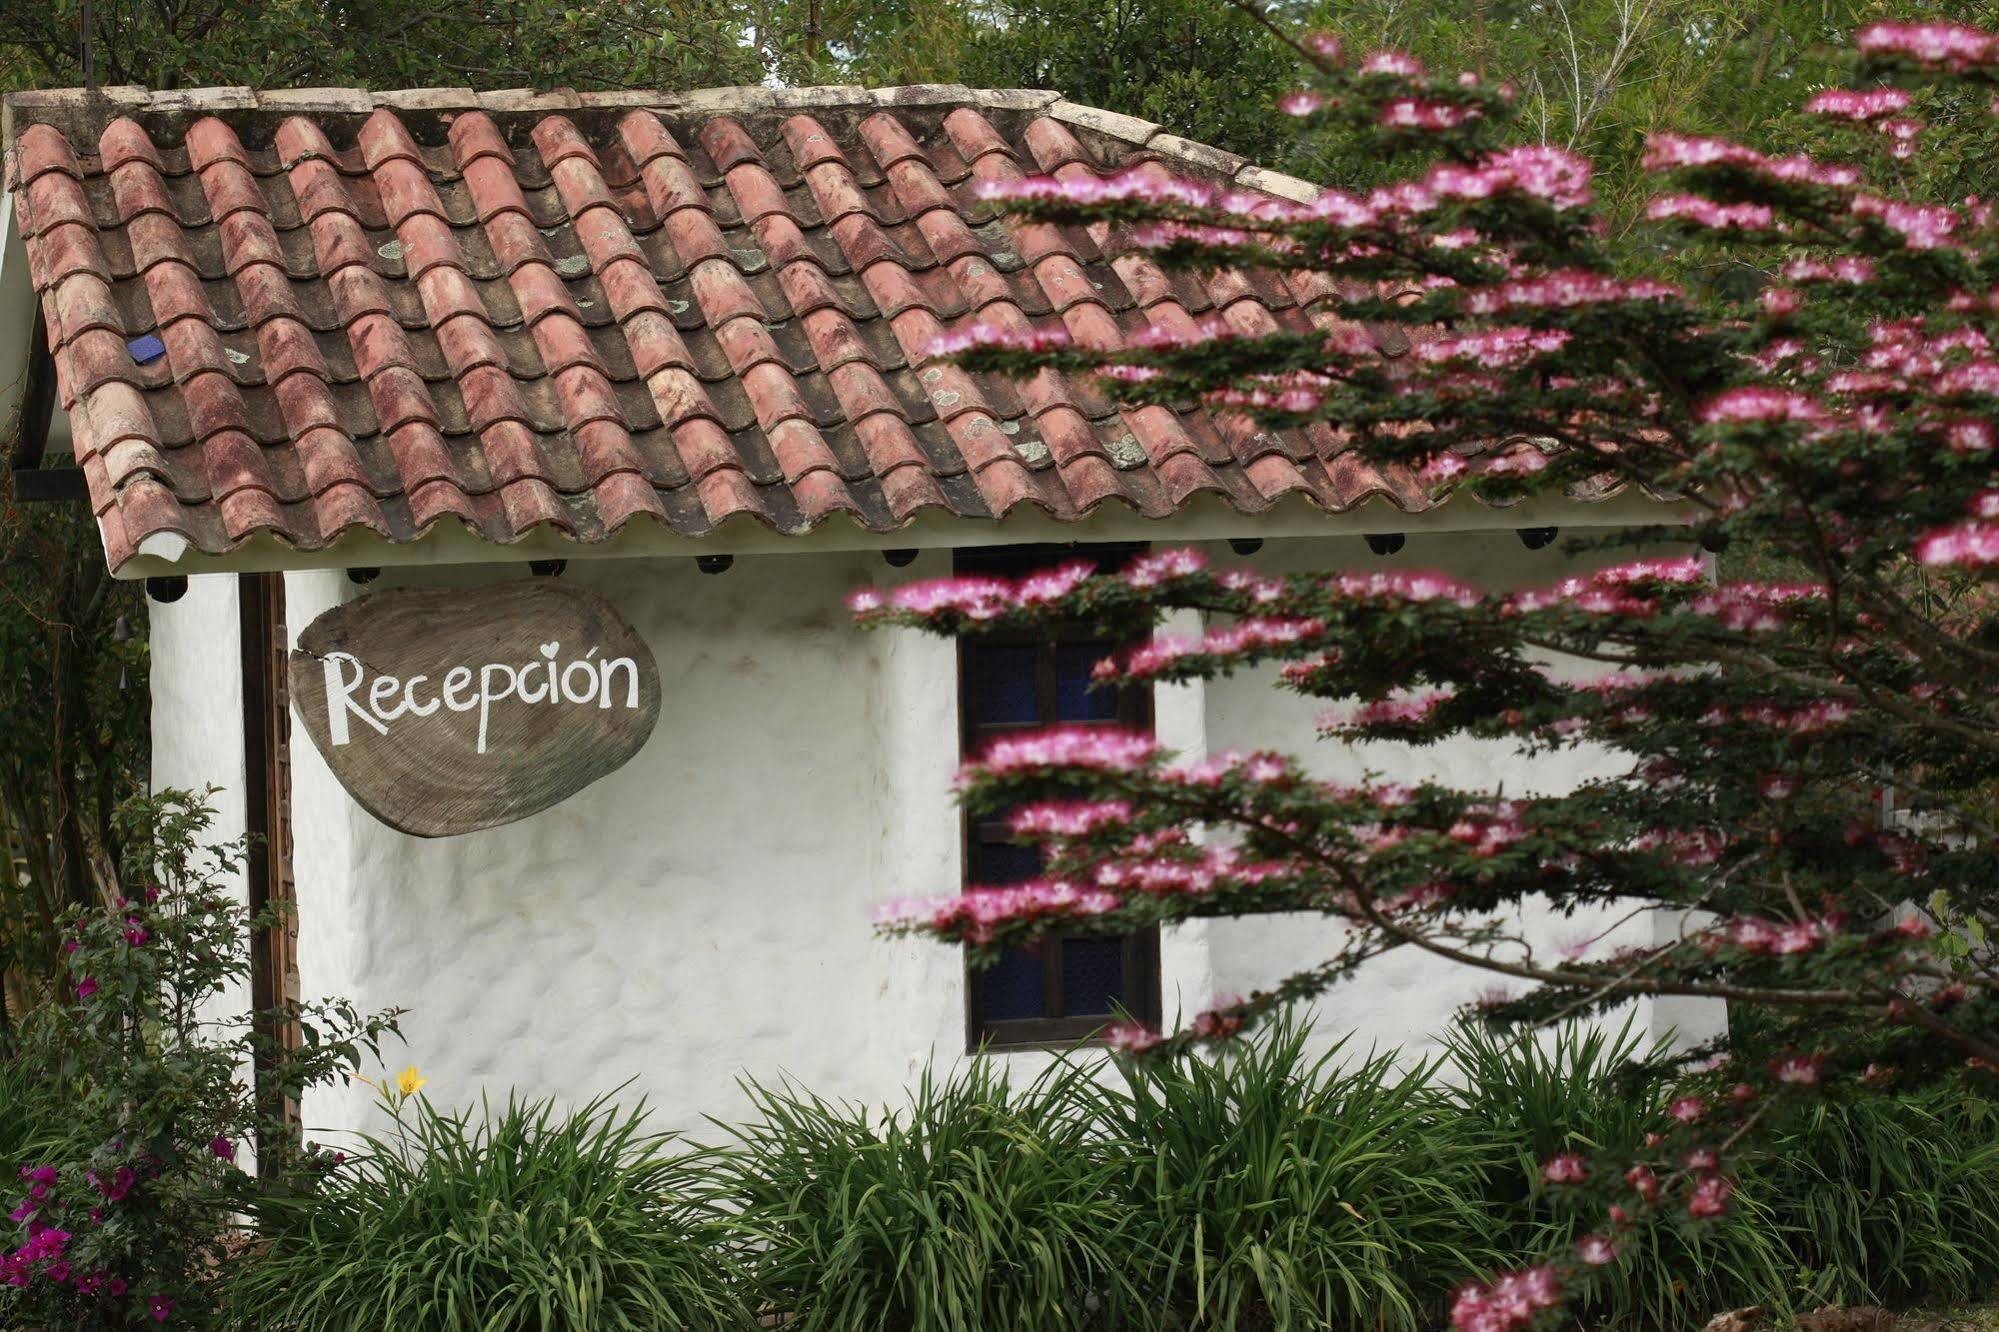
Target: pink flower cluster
(1131,1037)
(1489,829)
(1921,226)
(1948,46)
(984,335)
(1217,1022)
(1753,934)
(1250,634)
(1853,104)
(1098,748)
(1423,113)
(1694,848)
(1047,585)
(1554,174)
(1158,876)
(1672,152)
(1904,131)
(45,1245)
(1494,348)
(1213,769)
(977,913)
(974,597)
(1971,436)
(1068,818)
(1760,403)
(1710,1197)
(1136,185)
(1399,64)
(1810,719)
(1393,585)
(1566,289)
(1798,1070)
(1849,269)
(1967,545)
(1299,392)
(1755,607)
(1512,1303)
(1598,1250)
(1609,591)
(1703,212)
(1300,102)
(1161,567)
(1568,1168)
(1397,710)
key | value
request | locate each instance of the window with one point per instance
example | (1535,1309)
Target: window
(1065,988)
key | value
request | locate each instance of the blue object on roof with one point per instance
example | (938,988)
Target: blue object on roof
(146,350)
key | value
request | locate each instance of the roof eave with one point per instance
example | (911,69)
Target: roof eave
(1204,518)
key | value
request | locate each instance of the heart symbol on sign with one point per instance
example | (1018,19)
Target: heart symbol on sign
(550,649)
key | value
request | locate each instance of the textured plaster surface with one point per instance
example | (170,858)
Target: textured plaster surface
(704,913)
(197,688)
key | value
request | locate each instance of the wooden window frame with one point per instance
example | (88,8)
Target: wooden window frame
(1141,947)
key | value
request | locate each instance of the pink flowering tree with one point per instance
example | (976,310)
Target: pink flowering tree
(1805,792)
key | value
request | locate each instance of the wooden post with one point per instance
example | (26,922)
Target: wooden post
(274,982)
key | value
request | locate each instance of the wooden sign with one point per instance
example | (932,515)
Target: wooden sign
(445,710)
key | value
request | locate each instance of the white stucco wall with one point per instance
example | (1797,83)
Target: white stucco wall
(705,912)
(197,729)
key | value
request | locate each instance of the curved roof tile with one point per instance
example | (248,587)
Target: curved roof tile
(576,311)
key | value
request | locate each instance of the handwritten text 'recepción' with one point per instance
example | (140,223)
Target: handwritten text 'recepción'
(585,680)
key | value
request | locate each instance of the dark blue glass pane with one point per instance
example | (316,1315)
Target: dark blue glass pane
(1002,684)
(1012,986)
(1092,976)
(1003,862)
(1075,700)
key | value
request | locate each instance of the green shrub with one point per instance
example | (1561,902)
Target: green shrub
(1267,1189)
(973,1206)
(524,1220)
(125,1091)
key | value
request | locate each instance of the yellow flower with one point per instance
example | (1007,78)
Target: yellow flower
(409,1082)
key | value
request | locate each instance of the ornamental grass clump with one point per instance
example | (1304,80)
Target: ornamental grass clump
(1547,1105)
(524,1218)
(975,1205)
(1891,1202)
(1271,1189)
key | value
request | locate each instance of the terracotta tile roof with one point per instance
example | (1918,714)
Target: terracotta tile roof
(511,310)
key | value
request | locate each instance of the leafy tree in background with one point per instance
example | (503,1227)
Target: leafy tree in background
(73,709)
(1202,68)
(383,43)
(1598,76)
(1795,815)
